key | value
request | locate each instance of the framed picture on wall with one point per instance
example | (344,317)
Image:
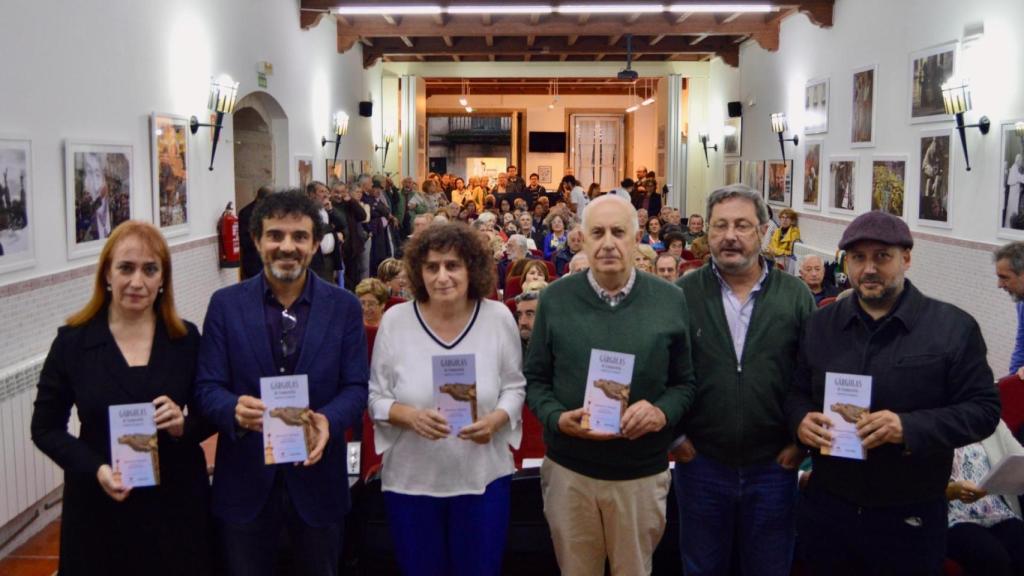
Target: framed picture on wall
(732,172)
(780,182)
(544,174)
(889,184)
(17,227)
(732,140)
(812,175)
(753,174)
(334,172)
(1011,181)
(929,70)
(170,164)
(98,193)
(842,184)
(303,170)
(934,170)
(862,118)
(816,106)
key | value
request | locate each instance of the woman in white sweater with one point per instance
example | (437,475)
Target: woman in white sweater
(446,392)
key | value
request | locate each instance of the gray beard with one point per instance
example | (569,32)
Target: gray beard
(287,276)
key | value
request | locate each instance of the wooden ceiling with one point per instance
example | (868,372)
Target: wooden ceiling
(587,37)
(540,86)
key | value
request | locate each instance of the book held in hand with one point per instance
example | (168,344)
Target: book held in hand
(1005,478)
(455,389)
(847,400)
(133,446)
(607,394)
(287,420)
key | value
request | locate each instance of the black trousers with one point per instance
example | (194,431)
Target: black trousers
(839,538)
(994,551)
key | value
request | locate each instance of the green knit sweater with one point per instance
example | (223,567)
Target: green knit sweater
(651,323)
(737,416)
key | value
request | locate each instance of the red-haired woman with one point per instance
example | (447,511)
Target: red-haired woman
(126,346)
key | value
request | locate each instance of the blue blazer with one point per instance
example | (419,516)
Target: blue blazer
(235,353)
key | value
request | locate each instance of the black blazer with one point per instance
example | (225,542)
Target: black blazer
(163,527)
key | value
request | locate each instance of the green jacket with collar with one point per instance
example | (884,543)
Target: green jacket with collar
(737,417)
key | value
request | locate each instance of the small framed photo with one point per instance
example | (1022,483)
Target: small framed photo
(732,139)
(934,172)
(842,184)
(98,193)
(17,224)
(862,117)
(753,174)
(929,70)
(732,172)
(1011,182)
(780,182)
(170,164)
(544,174)
(303,170)
(816,106)
(889,184)
(812,175)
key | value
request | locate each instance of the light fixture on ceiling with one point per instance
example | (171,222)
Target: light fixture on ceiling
(523,9)
(703,136)
(956,98)
(389,10)
(553,88)
(464,99)
(636,103)
(609,8)
(779,126)
(339,125)
(469,109)
(650,94)
(223,91)
(732,8)
(433,9)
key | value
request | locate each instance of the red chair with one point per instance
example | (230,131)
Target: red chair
(513,286)
(687,255)
(551,270)
(826,301)
(1011,393)
(532,445)
(510,303)
(689,265)
(392,301)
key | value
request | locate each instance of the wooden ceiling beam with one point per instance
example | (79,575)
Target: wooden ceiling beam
(448,41)
(555,46)
(657,39)
(391,19)
(614,39)
(407,41)
(530,40)
(572,39)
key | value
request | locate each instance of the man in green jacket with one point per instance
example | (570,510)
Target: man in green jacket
(605,494)
(735,477)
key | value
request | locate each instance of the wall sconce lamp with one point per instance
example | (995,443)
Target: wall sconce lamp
(223,91)
(704,142)
(389,138)
(956,97)
(340,128)
(779,125)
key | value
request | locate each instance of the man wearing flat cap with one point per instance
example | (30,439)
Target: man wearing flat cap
(875,503)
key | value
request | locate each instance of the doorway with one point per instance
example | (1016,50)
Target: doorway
(261,146)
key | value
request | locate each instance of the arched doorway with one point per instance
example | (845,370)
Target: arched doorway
(261,146)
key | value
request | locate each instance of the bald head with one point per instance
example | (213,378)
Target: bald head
(622,204)
(812,271)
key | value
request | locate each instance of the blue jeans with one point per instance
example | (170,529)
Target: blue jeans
(456,535)
(728,513)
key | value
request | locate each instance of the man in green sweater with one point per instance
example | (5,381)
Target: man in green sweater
(735,477)
(605,494)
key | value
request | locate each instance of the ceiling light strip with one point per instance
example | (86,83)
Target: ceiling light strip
(545,9)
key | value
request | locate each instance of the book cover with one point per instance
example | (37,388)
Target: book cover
(133,445)
(847,400)
(287,425)
(607,394)
(455,389)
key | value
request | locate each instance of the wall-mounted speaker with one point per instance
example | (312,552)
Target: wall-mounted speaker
(366,109)
(735,109)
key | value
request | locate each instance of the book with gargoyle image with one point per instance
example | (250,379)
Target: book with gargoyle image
(455,389)
(607,394)
(134,457)
(847,400)
(287,420)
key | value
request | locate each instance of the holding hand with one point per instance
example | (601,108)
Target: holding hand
(483,429)
(249,413)
(877,428)
(430,424)
(111,485)
(814,430)
(321,429)
(790,457)
(640,418)
(965,491)
(685,452)
(570,423)
(168,416)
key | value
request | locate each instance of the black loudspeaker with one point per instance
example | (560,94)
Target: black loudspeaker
(366,109)
(735,109)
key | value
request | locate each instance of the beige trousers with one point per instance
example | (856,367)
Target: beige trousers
(591,519)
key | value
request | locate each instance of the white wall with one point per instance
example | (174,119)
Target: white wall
(953,265)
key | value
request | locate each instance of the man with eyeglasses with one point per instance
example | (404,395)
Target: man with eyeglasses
(736,468)
(283,322)
(931,392)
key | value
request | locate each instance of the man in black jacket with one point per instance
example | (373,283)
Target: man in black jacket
(931,391)
(251,262)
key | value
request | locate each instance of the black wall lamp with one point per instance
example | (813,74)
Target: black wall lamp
(703,136)
(389,138)
(340,128)
(779,125)
(223,91)
(956,97)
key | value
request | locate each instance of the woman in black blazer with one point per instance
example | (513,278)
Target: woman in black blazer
(128,345)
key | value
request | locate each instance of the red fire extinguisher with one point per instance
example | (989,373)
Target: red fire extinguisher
(227,232)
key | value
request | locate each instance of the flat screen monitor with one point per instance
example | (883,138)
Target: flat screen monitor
(547,141)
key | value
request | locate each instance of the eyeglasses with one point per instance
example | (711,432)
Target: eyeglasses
(288,340)
(743,227)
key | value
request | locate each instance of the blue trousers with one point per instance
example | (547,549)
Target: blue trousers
(743,513)
(457,535)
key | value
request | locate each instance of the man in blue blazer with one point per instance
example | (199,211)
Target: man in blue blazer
(285,321)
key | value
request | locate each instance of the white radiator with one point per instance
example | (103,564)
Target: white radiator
(26,475)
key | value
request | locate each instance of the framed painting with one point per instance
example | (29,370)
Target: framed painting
(842,184)
(934,170)
(732,137)
(753,174)
(816,106)
(862,117)
(780,182)
(303,170)
(1011,182)
(17,227)
(889,184)
(98,193)
(170,163)
(812,175)
(732,172)
(929,70)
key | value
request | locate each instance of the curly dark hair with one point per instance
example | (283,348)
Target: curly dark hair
(291,202)
(467,243)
